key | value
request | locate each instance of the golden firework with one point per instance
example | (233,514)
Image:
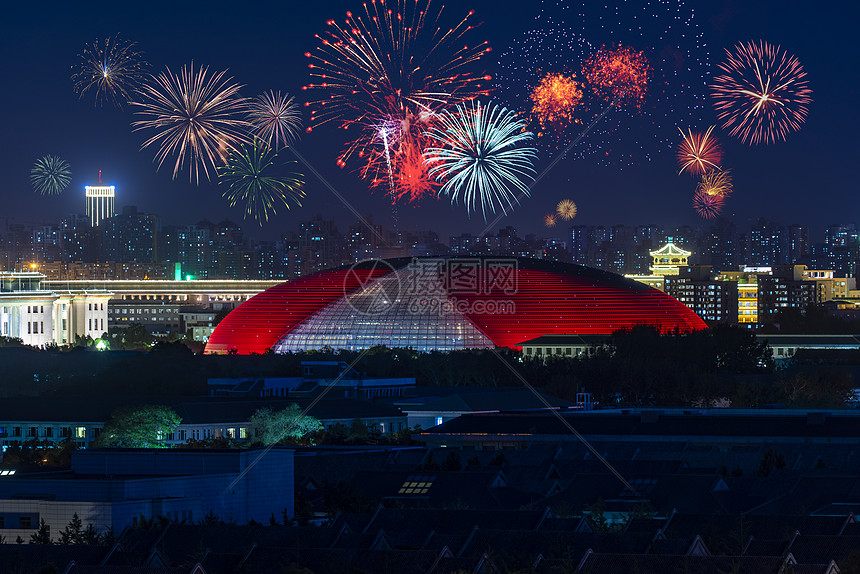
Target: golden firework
(716,183)
(554,101)
(566,209)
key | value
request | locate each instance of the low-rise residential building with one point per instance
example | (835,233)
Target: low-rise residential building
(436,411)
(114,489)
(55,420)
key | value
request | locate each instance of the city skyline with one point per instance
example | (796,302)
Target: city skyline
(55,122)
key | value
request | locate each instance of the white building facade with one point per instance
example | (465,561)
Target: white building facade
(41,317)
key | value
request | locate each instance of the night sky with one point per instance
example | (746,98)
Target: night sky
(809,179)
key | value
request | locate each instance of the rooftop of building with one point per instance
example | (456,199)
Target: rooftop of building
(214,410)
(671,425)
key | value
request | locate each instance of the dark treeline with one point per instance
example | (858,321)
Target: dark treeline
(636,367)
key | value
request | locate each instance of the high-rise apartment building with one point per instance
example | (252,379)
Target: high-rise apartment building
(131,236)
(767,244)
(798,244)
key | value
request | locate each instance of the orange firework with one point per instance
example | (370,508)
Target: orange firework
(566,209)
(717,183)
(554,101)
(699,152)
(549,220)
(708,206)
(619,75)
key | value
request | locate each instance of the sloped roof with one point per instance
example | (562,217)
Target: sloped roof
(491,401)
(671,249)
(666,564)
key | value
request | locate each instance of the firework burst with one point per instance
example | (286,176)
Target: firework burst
(566,209)
(554,101)
(477,153)
(395,64)
(196,117)
(50,175)
(699,152)
(564,34)
(396,161)
(112,69)
(762,94)
(276,119)
(549,220)
(254,179)
(716,183)
(708,206)
(619,75)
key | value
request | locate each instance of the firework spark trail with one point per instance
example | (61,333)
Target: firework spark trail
(392,192)
(113,69)
(699,153)
(762,94)
(476,154)
(196,118)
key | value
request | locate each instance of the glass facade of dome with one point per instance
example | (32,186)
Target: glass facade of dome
(385,312)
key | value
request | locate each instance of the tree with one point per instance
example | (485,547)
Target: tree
(290,423)
(73,533)
(596,513)
(220,315)
(90,536)
(139,427)
(771,460)
(452,461)
(42,535)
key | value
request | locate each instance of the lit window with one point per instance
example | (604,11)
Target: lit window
(80,432)
(438,420)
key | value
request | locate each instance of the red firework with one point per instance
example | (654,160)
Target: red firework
(619,75)
(708,206)
(549,220)
(699,152)
(394,67)
(762,94)
(393,159)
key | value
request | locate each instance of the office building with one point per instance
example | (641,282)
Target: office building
(100,203)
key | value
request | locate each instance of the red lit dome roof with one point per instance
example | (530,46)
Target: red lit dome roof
(444,304)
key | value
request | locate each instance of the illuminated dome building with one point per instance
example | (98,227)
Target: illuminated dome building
(444,304)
